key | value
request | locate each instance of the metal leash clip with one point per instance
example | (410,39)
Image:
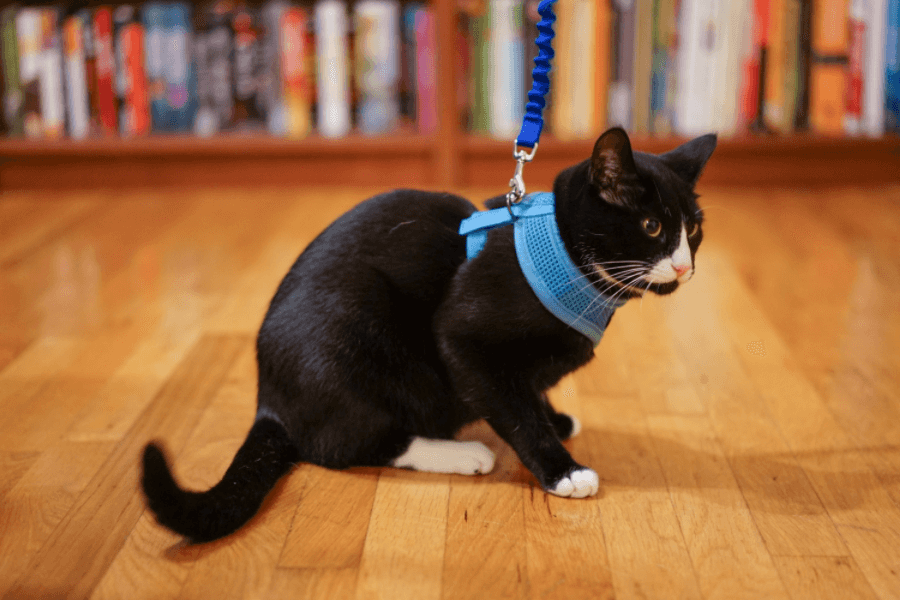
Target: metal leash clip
(517,183)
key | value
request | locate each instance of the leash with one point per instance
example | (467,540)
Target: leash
(533,122)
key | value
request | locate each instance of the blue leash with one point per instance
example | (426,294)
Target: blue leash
(533,122)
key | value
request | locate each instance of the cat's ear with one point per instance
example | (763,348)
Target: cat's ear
(688,159)
(613,173)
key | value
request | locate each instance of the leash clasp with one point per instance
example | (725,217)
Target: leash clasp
(517,183)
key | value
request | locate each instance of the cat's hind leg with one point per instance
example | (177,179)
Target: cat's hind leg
(446,456)
(566,426)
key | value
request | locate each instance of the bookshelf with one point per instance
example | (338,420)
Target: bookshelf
(449,158)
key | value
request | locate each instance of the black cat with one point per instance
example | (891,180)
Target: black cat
(383,339)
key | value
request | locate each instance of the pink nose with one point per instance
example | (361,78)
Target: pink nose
(681,269)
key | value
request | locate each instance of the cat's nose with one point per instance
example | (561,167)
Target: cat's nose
(681,269)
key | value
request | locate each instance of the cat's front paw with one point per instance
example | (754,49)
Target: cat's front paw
(580,483)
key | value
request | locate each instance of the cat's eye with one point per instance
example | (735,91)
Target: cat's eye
(695,229)
(652,227)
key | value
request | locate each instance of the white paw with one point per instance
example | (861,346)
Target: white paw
(578,484)
(446,456)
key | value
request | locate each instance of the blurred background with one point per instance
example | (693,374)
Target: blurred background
(432,94)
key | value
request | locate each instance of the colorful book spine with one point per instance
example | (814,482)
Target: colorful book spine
(90,71)
(855,73)
(131,80)
(873,87)
(695,109)
(506,87)
(332,72)
(377,60)
(153,17)
(105,69)
(13,94)
(179,69)
(296,75)
(478,74)
(754,68)
(28,31)
(791,53)
(426,71)
(776,63)
(76,76)
(665,33)
(892,68)
(827,82)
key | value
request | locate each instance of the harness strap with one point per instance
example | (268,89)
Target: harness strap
(476,227)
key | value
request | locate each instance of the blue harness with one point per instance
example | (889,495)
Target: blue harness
(560,285)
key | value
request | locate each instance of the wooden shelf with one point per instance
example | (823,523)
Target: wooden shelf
(409,160)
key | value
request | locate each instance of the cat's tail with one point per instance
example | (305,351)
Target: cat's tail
(266,455)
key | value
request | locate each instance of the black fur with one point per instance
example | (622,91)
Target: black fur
(382,331)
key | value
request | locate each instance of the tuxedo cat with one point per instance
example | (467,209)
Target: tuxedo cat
(383,340)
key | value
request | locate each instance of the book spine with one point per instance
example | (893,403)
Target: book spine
(873,86)
(178,66)
(774,101)
(643,67)
(53,106)
(561,76)
(296,75)
(584,91)
(332,72)
(76,77)
(134,112)
(753,65)
(804,67)
(695,109)
(790,75)
(272,87)
(622,86)
(479,73)
(855,75)
(426,69)
(28,24)
(152,15)
(105,69)
(13,94)
(407,85)
(377,65)
(892,68)
(828,68)
(603,61)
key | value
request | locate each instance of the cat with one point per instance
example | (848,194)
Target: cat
(383,340)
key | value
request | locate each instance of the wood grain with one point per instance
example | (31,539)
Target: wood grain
(745,429)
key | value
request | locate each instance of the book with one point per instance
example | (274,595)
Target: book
(13,94)
(662,83)
(332,68)
(90,71)
(212,57)
(892,68)
(53,108)
(804,65)
(77,106)
(505,69)
(874,64)
(856,56)
(272,81)
(249,111)
(695,105)
(28,32)
(377,64)
(296,72)
(643,67)
(827,77)
(425,70)
(181,95)
(754,66)
(104,66)
(622,79)
(131,81)
(155,37)
(478,73)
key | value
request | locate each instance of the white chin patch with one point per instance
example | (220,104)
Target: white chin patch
(664,271)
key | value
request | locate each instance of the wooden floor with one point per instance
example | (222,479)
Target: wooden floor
(746,429)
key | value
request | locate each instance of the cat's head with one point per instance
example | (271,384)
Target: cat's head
(630,219)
